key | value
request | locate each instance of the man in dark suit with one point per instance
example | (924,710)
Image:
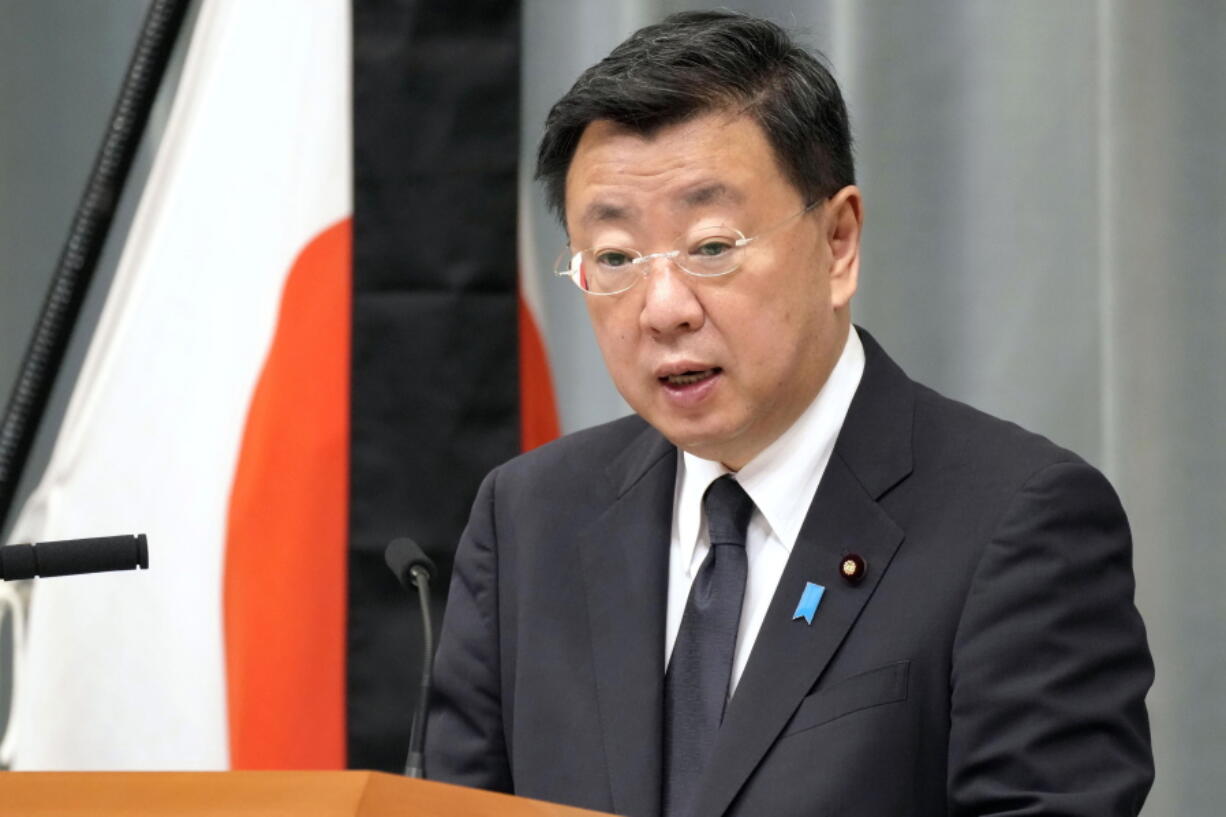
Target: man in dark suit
(797,582)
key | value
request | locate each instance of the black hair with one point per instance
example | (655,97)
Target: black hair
(693,63)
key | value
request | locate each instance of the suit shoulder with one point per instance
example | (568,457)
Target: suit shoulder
(567,483)
(897,425)
(578,454)
(955,435)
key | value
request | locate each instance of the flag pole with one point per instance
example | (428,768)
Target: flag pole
(86,237)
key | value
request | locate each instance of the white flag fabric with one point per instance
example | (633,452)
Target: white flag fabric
(126,670)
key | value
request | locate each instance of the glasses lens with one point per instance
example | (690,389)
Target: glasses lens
(605,270)
(712,251)
(705,252)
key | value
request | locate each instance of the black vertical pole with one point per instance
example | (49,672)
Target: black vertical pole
(86,239)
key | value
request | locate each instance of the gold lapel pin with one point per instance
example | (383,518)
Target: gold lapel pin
(852,568)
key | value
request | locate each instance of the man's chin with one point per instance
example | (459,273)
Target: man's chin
(708,444)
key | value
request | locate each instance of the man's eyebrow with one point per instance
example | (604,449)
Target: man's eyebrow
(710,193)
(602,211)
(599,211)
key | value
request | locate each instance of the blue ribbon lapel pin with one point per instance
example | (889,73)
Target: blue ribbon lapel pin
(808,602)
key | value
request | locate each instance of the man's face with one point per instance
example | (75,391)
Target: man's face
(720,366)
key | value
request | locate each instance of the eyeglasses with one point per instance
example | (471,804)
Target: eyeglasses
(708,252)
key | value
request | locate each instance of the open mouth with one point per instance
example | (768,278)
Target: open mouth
(689,378)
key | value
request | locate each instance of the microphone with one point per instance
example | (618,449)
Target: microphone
(414,570)
(72,557)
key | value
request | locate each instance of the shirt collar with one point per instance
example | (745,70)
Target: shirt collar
(783,477)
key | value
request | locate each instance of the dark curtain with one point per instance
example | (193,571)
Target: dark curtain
(435,381)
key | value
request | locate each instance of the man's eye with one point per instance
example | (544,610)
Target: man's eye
(712,248)
(613,258)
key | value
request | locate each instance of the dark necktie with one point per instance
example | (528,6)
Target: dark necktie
(696,683)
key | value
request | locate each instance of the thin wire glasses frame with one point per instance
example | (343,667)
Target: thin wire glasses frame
(710,253)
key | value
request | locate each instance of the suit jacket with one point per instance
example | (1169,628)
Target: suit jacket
(991,660)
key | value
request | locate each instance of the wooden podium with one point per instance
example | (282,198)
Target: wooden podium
(255,794)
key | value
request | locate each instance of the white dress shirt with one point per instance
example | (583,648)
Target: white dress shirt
(781,481)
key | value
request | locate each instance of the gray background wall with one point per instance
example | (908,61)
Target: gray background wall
(1046,199)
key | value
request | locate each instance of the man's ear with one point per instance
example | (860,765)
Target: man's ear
(844,221)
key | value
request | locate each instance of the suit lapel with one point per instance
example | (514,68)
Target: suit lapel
(790,654)
(625,571)
(873,453)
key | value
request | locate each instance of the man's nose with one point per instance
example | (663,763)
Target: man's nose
(670,305)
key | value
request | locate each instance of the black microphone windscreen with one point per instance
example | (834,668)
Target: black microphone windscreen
(74,557)
(402,555)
